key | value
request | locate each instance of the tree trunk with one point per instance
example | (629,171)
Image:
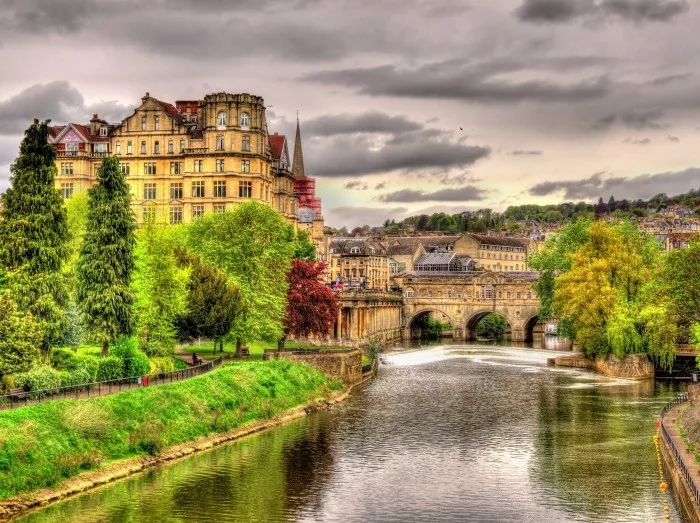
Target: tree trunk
(221,345)
(280,343)
(105,348)
(239,346)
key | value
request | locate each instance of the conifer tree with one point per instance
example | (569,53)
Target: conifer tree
(34,236)
(106,259)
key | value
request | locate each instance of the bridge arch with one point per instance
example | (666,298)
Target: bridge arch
(475,317)
(412,331)
(533,330)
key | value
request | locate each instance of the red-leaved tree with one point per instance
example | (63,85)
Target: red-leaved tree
(312,307)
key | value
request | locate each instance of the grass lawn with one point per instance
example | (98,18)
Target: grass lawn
(206,347)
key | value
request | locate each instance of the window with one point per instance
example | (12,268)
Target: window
(519,295)
(149,168)
(220,142)
(355,250)
(67,168)
(72,147)
(143,147)
(103,131)
(508,295)
(245,119)
(529,295)
(128,147)
(118,147)
(176,191)
(156,147)
(175,167)
(489,293)
(100,147)
(245,189)
(149,191)
(221,119)
(96,169)
(66,190)
(143,123)
(219,189)
(245,145)
(125,168)
(156,123)
(170,147)
(220,166)
(182,145)
(149,213)
(175,215)
(198,166)
(197,211)
(198,189)
(245,166)
(219,207)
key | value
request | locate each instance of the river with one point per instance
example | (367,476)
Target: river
(449,433)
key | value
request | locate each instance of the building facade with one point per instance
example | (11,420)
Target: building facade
(359,262)
(181,161)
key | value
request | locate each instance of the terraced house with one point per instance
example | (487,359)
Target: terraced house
(183,160)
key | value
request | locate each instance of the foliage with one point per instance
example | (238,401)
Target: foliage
(34,236)
(110,368)
(161,364)
(72,333)
(63,359)
(135,362)
(312,307)
(106,261)
(492,326)
(303,248)
(79,376)
(431,328)
(20,338)
(213,302)
(160,287)
(41,377)
(47,443)
(254,247)
(679,285)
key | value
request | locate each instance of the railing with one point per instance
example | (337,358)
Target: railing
(82,154)
(104,388)
(196,150)
(689,480)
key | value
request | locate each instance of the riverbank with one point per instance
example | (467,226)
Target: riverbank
(631,367)
(57,449)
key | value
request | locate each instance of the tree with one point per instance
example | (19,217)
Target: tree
(254,247)
(20,338)
(303,248)
(601,208)
(422,222)
(312,307)
(34,236)
(492,326)
(612,204)
(213,302)
(106,261)
(160,289)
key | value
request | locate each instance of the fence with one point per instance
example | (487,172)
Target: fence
(104,388)
(689,480)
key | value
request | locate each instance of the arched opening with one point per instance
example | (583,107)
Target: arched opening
(488,325)
(430,325)
(534,331)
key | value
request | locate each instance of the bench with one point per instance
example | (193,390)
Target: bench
(18,394)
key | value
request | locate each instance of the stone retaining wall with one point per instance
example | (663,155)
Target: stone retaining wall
(345,365)
(631,367)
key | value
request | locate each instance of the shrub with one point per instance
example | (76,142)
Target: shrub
(135,362)
(89,364)
(139,365)
(79,376)
(64,359)
(39,378)
(162,364)
(124,347)
(110,368)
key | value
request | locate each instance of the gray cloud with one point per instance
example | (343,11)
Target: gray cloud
(368,122)
(379,186)
(359,186)
(665,80)
(469,193)
(526,153)
(642,186)
(58,101)
(352,216)
(469,81)
(674,139)
(563,11)
(637,120)
(637,141)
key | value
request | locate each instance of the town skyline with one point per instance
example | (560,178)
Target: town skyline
(442,107)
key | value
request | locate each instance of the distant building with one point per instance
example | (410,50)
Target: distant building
(360,263)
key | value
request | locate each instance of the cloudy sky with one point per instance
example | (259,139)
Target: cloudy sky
(406,106)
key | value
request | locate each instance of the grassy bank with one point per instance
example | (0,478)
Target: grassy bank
(45,444)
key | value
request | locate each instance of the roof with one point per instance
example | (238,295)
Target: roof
(344,246)
(55,130)
(170,109)
(498,240)
(436,258)
(409,244)
(277,145)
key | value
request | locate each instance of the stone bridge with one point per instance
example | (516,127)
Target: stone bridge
(462,300)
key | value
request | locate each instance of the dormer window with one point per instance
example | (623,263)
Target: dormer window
(143,123)
(354,250)
(221,119)
(245,119)
(103,131)
(156,123)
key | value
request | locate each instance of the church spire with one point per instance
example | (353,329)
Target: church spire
(298,162)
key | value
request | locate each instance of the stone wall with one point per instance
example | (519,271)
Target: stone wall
(343,364)
(631,367)
(579,362)
(694,392)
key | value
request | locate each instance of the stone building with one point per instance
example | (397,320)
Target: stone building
(359,262)
(181,161)
(402,251)
(496,253)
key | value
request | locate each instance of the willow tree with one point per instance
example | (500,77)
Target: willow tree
(106,259)
(34,236)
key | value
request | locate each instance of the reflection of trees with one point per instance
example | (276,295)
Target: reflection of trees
(593,451)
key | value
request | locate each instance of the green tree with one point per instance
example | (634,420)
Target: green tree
(254,247)
(106,259)
(213,302)
(492,326)
(20,338)
(303,248)
(160,288)
(34,236)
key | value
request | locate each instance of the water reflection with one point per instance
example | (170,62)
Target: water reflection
(451,433)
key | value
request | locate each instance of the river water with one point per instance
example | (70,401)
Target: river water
(449,433)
